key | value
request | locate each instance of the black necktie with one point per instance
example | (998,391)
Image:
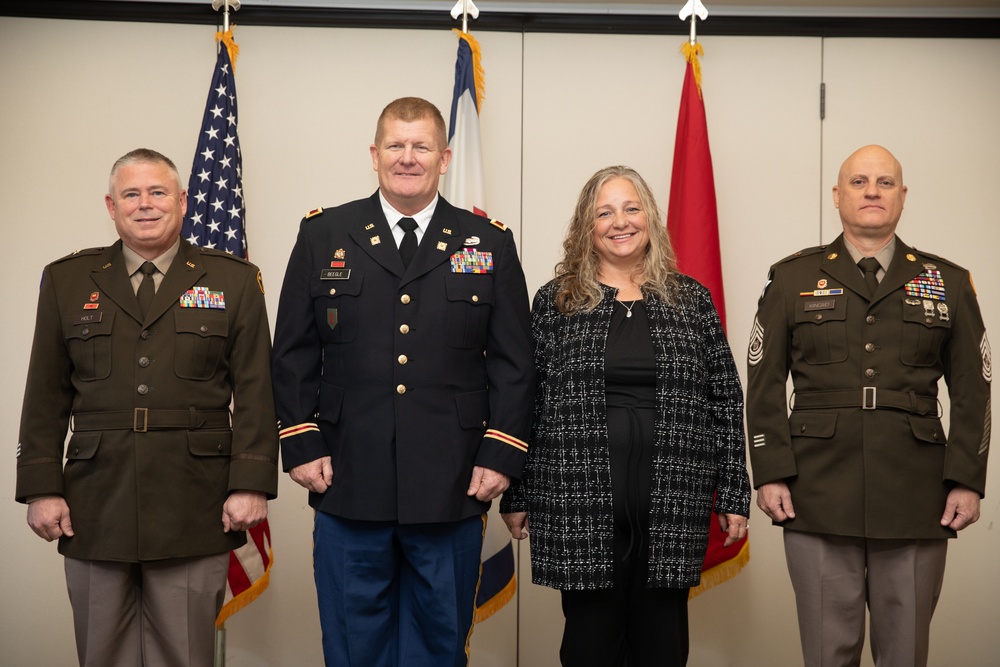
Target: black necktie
(146,288)
(408,247)
(870,266)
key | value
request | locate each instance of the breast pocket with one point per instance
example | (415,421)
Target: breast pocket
(925,329)
(470,304)
(336,306)
(89,344)
(821,330)
(201,339)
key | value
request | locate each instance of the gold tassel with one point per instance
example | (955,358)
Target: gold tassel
(691,53)
(478,73)
(231,45)
(722,572)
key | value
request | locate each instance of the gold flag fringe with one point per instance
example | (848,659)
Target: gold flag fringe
(478,73)
(691,53)
(722,572)
(247,596)
(231,45)
(495,603)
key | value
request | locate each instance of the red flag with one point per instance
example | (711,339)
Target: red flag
(693,224)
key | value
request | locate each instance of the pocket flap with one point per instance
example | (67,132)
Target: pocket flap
(210,443)
(201,321)
(812,424)
(473,409)
(83,446)
(928,429)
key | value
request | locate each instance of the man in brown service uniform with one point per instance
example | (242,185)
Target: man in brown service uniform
(861,475)
(139,349)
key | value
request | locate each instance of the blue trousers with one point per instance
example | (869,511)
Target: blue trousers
(394,595)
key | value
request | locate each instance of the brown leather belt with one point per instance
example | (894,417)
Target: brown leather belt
(141,420)
(866,398)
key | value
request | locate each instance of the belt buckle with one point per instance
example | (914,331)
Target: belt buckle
(868,401)
(144,418)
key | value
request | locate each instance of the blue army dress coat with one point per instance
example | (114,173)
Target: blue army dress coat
(698,441)
(153,454)
(864,451)
(405,378)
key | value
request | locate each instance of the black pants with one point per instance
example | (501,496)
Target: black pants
(628,625)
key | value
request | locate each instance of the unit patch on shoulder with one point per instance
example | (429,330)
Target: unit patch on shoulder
(499,225)
(315,211)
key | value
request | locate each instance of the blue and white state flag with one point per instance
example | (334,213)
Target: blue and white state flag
(464,181)
(464,187)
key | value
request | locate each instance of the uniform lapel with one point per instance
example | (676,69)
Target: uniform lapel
(374,236)
(442,238)
(838,264)
(186,269)
(903,268)
(111,277)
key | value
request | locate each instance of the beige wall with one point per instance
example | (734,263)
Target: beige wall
(76,95)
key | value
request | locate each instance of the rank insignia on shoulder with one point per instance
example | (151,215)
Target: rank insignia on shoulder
(499,225)
(314,212)
(472,261)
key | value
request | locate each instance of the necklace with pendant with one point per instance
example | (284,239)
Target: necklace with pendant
(628,307)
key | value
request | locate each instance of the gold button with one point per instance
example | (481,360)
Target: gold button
(870,373)
(404,329)
(401,389)
(402,359)
(819,316)
(929,320)
(870,319)
(142,389)
(203,328)
(405,298)
(475,299)
(144,362)
(333,290)
(484,423)
(869,347)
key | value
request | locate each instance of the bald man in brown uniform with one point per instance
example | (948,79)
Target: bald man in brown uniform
(862,475)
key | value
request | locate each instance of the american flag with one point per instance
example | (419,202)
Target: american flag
(215,219)
(215,190)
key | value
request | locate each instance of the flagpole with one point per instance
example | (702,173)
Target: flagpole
(220,631)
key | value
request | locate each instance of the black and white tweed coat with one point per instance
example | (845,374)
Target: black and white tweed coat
(699,441)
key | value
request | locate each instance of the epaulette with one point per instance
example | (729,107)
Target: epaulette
(80,253)
(939,258)
(314,212)
(499,225)
(805,252)
(215,252)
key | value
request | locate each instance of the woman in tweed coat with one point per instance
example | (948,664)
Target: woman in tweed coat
(638,423)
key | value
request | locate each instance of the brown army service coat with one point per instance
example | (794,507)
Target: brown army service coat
(134,495)
(864,452)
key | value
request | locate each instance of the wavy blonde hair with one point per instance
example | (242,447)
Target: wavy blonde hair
(577,273)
